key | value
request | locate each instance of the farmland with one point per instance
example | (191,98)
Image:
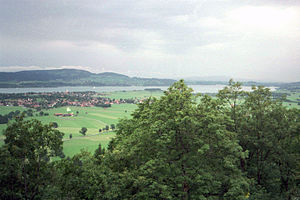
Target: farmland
(93,118)
(138,94)
(292,98)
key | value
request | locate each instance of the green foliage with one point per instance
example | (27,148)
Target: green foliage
(232,96)
(83,131)
(54,124)
(25,171)
(80,178)
(5,118)
(270,133)
(88,143)
(95,119)
(112,127)
(240,145)
(99,154)
(175,149)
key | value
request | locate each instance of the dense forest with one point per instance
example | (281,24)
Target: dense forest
(239,145)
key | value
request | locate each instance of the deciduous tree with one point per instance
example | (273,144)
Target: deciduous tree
(83,131)
(25,171)
(271,134)
(173,148)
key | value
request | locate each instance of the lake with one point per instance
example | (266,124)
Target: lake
(196,88)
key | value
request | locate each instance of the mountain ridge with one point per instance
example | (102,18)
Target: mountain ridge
(78,77)
(74,77)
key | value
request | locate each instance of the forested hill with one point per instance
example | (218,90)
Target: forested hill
(74,77)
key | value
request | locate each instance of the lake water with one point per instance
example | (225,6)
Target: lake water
(196,88)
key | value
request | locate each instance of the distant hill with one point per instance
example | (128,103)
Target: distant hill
(74,77)
(295,86)
(44,75)
(223,80)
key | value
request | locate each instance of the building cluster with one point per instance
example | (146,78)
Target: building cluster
(64,114)
(48,100)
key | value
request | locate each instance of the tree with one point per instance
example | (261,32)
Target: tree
(25,171)
(3,119)
(83,131)
(41,113)
(17,113)
(100,130)
(54,124)
(232,95)
(99,154)
(107,127)
(80,178)
(29,113)
(112,126)
(70,136)
(173,148)
(270,133)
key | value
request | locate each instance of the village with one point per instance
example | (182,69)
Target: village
(48,100)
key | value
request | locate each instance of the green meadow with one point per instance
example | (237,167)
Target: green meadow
(136,94)
(88,143)
(93,118)
(293,98)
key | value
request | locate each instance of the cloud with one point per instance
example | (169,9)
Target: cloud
(267,20)
(19,68)
(154,38)
(23,68)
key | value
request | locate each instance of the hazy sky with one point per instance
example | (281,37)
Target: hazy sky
(252,39)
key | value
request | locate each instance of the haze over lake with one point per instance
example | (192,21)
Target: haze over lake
(196,88)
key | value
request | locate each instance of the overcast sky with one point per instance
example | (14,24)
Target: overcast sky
(251,39)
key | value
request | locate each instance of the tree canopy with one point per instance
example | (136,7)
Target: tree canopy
(25,170)
(238,145)
(174,148)
(83,131)
(270,133)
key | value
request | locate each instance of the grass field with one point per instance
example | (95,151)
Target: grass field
(7,109)
(88,143)
(93,118)
(139,94)
(292,96)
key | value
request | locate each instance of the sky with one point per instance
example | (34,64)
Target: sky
(248,39)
